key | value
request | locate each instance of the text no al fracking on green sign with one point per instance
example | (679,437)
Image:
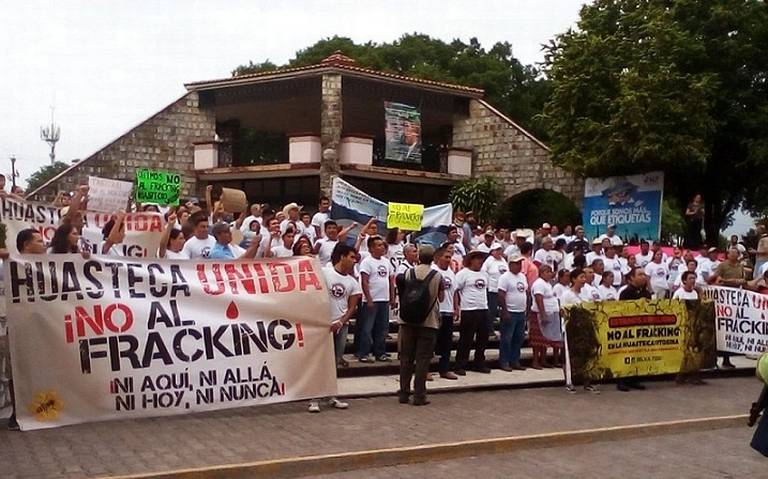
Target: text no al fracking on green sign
(406,216)
(154,186)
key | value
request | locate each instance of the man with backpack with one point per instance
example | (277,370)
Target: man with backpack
(421,290)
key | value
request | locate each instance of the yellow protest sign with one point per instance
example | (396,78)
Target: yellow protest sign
(615,339)
(406,216)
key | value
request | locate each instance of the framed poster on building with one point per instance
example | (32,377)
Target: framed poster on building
(402,132)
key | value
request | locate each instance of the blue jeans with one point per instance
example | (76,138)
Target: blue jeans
(340,342)
(374,325)
(512,336)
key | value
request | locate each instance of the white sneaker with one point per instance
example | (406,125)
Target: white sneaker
(335,403)
(314,406)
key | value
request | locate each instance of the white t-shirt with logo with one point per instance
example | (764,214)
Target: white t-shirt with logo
(326,250)
(607,293)
(449,285)
(472,287)
(545,257)
(379,271)
(196,248)
(551,304)
(683,295)
(515,287)
(494,268)
(658,274)
(614,266)
(590,294)
(643,259)
(340,288)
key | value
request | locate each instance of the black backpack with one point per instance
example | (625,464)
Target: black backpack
(414,297)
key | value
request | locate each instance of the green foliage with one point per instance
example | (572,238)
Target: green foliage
(673,86)
(517,90)
(672,220)
(38,178)
(531,208)
(479,195)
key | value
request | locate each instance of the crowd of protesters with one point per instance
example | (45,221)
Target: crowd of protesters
(519,279)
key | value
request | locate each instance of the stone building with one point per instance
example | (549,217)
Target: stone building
(282,135)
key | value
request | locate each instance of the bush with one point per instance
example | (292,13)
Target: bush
(479,195)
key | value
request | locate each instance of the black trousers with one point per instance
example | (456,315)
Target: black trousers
(474,327)
(417,345)
(444,342)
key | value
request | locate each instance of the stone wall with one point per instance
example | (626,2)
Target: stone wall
(503,150)
(164,141)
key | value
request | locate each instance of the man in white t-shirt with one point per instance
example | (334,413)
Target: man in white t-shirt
(708,266)
(331,237)
(597,251)
(645,255)
(545,255)
(225,248)
(513,302)
(485,245)
(344,294)
(611,235)
(688,289)
(201,243)
(377,281)
(448,314)
(612,263)
(322,215)
(291,212)
(471,298)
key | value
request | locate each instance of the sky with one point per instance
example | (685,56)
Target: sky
(107,65)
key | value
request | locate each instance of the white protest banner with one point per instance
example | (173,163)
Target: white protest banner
(143,230)
(5,365)
(741,319)
(108,196)
(107,338)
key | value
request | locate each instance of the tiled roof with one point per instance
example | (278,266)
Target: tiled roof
(335,62)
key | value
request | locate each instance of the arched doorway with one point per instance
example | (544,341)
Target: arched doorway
(531,208)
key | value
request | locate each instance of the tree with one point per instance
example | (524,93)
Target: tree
(479,195)
(517,90)
(531,208)
(45,173)
(679,86)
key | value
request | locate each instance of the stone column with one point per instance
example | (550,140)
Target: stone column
(330,131)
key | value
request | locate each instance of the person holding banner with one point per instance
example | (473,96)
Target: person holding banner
(730,272)
(172,241)
(331,236)
(199,245)
(28,241)
(225,248)
(65,240)
(344,294)
(688,290)
(636,288)
(114,234)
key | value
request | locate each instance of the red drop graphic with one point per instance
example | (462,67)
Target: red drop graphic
(232,311)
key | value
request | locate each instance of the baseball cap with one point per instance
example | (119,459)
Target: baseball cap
(515,258)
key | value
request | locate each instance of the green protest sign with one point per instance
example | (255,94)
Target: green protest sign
(154,186)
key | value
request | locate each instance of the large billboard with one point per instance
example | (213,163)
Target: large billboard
(632,203)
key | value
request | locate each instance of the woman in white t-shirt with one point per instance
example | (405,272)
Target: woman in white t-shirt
(563,283)
(606,289)
(544,323)
(658,272)
(172,241)
(494,266)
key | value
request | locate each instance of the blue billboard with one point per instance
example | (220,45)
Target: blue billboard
(632,203)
